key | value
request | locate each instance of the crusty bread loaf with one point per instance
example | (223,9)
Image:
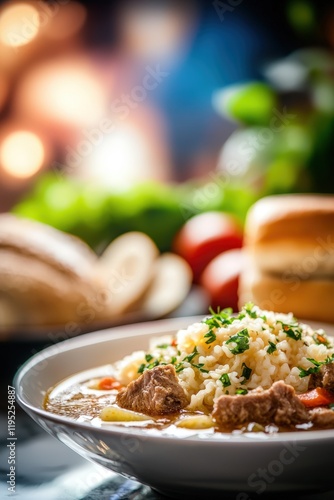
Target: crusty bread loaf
(46,276)
(49,279)
(289,242)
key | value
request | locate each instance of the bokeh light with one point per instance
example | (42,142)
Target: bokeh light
(156,30)
(66,91)
(69,20)
(19,24)
(22,154)
(113,163)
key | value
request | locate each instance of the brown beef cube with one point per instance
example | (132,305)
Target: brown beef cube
(322,417)
(278,405)
(324,378)
(155,392)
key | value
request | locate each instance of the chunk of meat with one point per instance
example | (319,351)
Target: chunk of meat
(322,417)
(278,405)
(155,392)
(324,378)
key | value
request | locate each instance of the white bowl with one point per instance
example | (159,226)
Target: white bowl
(194,464)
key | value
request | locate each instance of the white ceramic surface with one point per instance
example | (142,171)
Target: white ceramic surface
(245,465)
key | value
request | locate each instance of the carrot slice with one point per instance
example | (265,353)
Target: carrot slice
(108,383)
(316,397)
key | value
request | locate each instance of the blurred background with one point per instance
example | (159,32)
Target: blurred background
(166,117)
(105,107)
(122,116)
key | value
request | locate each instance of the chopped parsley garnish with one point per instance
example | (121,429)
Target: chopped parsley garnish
(163,346)
(211,336)
(248,308)
(200,367)
(246,371)
(149,366)
(309,371)
(225,380)
(241,315)
(189,359)
(241,339)
(272,347)
(217,320)
(314,369)
(191,356)
(241,391)
(293,334)
(291,330)
(152,365)
(315,362)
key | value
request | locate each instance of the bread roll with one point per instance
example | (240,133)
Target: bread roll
(292,233)
(289,242)
(311,299)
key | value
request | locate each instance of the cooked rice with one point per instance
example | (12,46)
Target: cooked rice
(202,374)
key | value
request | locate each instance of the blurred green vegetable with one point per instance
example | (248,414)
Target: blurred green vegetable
(98,215)
(286,143)
(250,103)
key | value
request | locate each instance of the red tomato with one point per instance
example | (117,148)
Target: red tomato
(205,236)
(221,279)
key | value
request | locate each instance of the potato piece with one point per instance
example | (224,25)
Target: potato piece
(115,414)
(196,422)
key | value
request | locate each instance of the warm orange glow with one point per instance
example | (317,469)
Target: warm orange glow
(3,91)
(68,21)
(19,24)
(155,30)
(63,91)
(22,154)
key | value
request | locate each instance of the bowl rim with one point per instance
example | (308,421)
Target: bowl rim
(136,330)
